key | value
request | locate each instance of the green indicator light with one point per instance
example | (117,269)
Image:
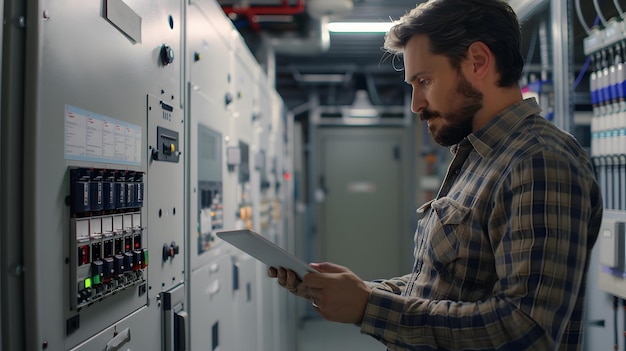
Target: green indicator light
(96,279)
(87,283)
(145,257)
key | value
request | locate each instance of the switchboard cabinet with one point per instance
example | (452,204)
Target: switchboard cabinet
(212,323)
(95,70)
(139,145)
(209,57)
(246,302)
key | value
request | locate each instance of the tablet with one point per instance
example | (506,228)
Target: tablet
(264,250)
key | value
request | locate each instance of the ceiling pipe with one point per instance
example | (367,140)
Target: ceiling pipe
(251,13)
(317,41)
(527,8)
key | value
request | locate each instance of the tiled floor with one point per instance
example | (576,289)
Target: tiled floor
(320,335)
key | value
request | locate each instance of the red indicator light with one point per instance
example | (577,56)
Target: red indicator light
(127,247)
(83,255)
(287,176)
(136,245)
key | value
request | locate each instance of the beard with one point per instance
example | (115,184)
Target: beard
(460,120)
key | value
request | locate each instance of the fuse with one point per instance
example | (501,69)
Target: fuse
(108,248)
(118,265)
(96,251)
(128,261)
(83,255)
(130,192)
(95,190)
(119,245)
(120,190)
(97,270)
(80,193)
(108,268)
(137,241)
(108,190)
(128,243)
(139,189)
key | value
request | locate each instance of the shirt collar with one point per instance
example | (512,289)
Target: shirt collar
(487,138)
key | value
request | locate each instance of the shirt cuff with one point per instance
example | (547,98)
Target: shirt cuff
(382,315)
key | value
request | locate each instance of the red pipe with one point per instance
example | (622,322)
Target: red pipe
(252,12)
(284,9)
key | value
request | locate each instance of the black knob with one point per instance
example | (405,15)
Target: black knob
(166,252)
(228,98)
(169,251)
(167,55)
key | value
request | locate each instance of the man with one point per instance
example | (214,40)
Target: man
(502,252)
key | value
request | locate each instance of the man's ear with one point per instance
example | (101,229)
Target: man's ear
(481,58)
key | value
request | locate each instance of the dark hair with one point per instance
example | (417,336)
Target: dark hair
(453,25)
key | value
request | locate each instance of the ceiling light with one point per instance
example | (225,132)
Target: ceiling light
(362,107)
(359,27)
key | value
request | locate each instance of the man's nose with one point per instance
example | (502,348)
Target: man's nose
(418,103)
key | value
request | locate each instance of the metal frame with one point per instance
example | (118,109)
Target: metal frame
(562,73)
(11,221)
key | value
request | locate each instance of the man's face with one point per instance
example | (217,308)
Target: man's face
(442,95)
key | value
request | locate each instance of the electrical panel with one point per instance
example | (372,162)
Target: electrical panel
(606,54)
(212,326)
(244,214)
(166,193)
(210,188)
(135,160)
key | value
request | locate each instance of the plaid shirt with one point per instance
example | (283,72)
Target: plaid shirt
(502,259)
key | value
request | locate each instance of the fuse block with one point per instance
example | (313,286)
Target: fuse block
(107,253)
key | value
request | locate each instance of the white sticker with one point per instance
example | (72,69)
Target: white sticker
(97,138)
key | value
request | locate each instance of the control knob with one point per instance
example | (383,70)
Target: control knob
(167,55)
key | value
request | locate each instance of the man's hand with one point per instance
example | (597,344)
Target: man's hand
(288,280)
(337,293)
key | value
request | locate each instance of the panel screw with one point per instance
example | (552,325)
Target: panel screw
(18,270)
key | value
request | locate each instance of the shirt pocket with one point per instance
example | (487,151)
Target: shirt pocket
(444,242)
